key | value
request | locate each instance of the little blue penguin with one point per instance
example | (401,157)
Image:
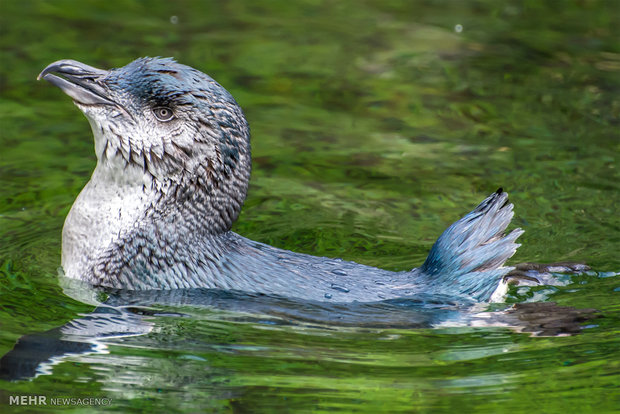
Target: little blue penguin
(173,166)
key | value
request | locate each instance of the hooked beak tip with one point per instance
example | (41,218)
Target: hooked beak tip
(78,80)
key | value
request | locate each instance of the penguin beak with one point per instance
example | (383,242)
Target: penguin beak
(83,83)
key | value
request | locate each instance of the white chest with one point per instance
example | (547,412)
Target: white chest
(112,203)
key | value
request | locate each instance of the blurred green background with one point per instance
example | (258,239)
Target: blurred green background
(375,124)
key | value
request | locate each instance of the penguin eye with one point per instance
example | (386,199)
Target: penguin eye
(163,114)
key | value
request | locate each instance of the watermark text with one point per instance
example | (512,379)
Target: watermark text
(57,401)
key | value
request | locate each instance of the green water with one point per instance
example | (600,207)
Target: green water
(375,125)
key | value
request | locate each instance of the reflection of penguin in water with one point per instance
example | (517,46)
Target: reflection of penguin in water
(173,150)
(135,313)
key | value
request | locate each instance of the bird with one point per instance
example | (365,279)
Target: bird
(173,167)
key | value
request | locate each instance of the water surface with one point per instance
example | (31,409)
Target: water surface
(375,125)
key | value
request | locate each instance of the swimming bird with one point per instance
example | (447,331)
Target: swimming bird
(173,166)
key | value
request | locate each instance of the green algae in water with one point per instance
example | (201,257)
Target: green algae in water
(375,125)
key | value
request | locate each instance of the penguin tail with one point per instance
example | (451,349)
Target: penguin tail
(468,258)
